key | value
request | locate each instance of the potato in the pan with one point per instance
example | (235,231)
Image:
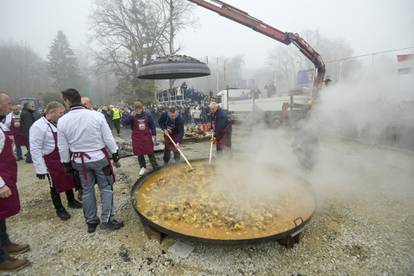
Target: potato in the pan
(194,205)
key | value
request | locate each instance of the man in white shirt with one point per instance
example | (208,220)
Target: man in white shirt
(83,136)
(46,159)
(9,195)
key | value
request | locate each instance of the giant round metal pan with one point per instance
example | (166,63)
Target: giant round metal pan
(295,225)
(173,67)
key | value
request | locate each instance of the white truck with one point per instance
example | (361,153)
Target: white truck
(240,103)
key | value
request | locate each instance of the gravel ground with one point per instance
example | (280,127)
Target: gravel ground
(364,225)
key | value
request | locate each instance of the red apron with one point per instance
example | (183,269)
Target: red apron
(8,171)
(222,140)
(83,155)
(141,136)
(16,128)
(61,181)
(174,136)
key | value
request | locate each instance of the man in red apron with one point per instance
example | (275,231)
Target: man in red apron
(16,128)
(143,136)
(172,125)
(84,139)
(9,196)
(46,159)
(222,128)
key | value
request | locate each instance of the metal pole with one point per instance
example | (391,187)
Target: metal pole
(218,74)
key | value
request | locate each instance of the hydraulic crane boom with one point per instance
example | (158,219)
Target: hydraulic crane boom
(244,18)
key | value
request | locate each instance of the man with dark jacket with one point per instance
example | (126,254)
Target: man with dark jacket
(107,116)
(172,125)
(222,128)
(27,118)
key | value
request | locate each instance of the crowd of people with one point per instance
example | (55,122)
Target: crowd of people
(190,112)
(70,146)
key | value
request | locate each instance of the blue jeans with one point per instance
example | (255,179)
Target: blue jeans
(96,172)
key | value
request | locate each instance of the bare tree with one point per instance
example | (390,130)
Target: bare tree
(285,62)
(130,33)
(177,15)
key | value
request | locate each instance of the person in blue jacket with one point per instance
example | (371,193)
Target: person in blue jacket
(172,125)
(222,128)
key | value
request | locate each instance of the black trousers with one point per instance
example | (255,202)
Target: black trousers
(167,156)
(117,125)
(4,240)
(57,202)
(28,155)
(151,157)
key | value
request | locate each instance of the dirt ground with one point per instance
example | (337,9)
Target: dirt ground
(364,225)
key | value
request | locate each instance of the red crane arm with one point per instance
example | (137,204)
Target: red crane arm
(244,18)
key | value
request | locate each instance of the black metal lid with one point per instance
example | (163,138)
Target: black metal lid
(173,67)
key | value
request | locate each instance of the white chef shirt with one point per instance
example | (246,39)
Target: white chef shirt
(41,143)
(84,130)
(7,122)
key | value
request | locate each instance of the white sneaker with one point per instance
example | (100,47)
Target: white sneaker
(142,171)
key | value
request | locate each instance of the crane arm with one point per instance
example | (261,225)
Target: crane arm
(244,18)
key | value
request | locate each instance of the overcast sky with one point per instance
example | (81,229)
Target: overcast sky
(368,25)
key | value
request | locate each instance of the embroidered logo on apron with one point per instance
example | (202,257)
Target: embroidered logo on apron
(141,124)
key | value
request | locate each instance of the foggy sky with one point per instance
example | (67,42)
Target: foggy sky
(369,25)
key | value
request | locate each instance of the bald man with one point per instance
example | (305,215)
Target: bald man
(9,196)
(222,128)
(87,102)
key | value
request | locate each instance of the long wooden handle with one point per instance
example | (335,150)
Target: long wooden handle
(182,154)
(211,149)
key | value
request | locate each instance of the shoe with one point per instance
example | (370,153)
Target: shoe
(14,248)
(142,171)
(112,225)
(19,158)
(92,227)
(75,204)
(63,214)
(13,264)
(29,161)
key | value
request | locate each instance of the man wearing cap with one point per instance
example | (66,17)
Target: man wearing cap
(172,125)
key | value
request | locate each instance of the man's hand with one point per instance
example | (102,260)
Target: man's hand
(167,131)
(41,175)
(214,140)
(178,145)
(5,192)
(68,168)
(115,157)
